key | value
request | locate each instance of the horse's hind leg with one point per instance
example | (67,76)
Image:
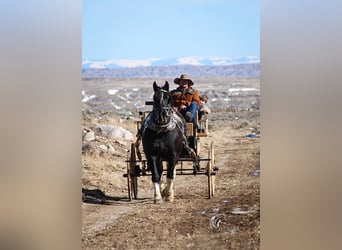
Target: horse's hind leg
(168,191)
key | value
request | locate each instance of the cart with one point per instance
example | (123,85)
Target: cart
(137,165)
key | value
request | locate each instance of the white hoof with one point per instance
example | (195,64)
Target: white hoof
(158,201)
(168,195)
(169,198)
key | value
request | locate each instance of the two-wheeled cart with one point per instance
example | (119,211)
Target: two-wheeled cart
(137,165)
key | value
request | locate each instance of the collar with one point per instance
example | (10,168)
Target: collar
(151,124)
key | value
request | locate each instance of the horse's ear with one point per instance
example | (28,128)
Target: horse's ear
(166,86)
(155,87)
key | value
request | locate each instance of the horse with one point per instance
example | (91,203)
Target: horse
(163,139)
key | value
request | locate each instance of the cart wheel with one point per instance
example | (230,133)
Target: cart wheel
(132,173)
(129,176)
(211,172)
(198,146)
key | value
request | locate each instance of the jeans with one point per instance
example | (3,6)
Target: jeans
(192,108)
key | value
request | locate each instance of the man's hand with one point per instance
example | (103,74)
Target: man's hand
(183,106)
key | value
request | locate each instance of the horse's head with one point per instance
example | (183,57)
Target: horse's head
(162,111)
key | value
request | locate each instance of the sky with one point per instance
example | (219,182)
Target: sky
(142,29)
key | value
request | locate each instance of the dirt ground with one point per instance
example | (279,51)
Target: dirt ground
(111,221)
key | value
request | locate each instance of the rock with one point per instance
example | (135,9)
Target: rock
(111,149)
(115,132)
(121,143)
(240,211)
(256,172)
(90,136)
(252,135)
(86,148)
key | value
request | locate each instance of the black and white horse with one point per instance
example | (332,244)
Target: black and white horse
(163,139)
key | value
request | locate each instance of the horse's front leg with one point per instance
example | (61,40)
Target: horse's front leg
(168,192)
(157,194)
(157,171)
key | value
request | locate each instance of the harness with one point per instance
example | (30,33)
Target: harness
(174,122)
(153,125)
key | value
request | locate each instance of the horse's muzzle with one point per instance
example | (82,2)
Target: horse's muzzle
(163,117)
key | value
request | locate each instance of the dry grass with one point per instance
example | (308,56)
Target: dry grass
(186,222)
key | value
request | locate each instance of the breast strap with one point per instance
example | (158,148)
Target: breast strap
(151,124)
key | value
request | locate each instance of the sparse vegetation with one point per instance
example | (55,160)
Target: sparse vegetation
(112,222)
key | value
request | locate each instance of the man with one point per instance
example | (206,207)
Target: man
(185,98)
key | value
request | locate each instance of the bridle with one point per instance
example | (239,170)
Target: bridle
(162,113)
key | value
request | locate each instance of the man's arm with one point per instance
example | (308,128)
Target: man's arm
(195,97)
(177,100)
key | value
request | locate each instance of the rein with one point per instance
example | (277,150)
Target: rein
(161,110)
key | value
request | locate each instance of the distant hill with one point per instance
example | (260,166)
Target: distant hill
(189,60)
(234,70)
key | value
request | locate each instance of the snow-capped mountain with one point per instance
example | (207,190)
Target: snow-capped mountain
(191,60)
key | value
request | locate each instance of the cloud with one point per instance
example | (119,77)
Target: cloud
(119,62)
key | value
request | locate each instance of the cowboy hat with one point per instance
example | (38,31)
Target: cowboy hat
(184,77)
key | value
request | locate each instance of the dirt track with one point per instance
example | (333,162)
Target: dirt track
(184,224)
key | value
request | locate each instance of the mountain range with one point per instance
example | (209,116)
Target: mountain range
(248,66)
(176,61)
(242,70)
